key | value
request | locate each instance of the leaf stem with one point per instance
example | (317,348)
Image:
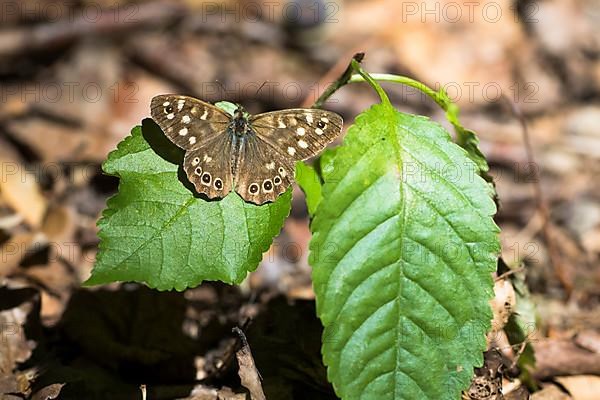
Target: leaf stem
(465,138)
(370,79)
(439,97)
(339,82)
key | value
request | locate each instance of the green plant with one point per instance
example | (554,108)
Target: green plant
(402,252)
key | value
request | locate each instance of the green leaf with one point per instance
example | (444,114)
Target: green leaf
(522,325)
(309,181)
(158,231)
(465,138)
(403,249)
(226,106)
(468,140)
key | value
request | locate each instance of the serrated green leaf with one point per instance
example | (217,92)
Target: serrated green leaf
(403,249)
(226,106)
(468,140)
(158,231)
(465,138)
(310,183)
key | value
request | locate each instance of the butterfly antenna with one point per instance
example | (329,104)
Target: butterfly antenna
(221,85)
(261,86)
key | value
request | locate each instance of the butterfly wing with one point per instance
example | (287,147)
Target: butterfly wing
(262,173)
(188,122)
(297,134)
(209,167)
(200,129)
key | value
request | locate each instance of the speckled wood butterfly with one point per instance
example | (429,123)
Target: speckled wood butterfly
(253,155)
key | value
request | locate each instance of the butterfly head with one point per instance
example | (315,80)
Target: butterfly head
(239,124)
(239,112)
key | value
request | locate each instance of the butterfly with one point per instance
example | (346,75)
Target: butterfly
(253,155)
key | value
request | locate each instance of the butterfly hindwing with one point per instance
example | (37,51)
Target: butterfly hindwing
(188,122)
(262,174)
(208,167)
(297,134)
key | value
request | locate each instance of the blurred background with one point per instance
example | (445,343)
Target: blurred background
(77,75)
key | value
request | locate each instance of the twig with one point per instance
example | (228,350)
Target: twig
(541,203)
(519,353)
(50,35)
(509,273)
(338,83)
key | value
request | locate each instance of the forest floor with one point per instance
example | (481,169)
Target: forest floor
(74,84)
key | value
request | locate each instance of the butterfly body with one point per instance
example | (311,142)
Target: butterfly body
(253,155)
(239,124)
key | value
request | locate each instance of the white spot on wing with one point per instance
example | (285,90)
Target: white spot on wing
(183,131)
(309,118)
(319,131)
(203,116)
(324,120)
(170,116)
(281,124)
(207,158)
(192,139)
(186,119)
(302,144)
(291,151)
(300,131)
(180,104)
(270,165)
(166,103)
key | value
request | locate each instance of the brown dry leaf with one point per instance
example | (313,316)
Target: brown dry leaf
(132,104)
(550,392)
(470,55)
(581,387)
(588,339)
(248,372)
(14,249)
(61,142)
(503,303)
(228,394)
(514,390)
(487,380)
(60,226)
(20,190)
(14,346)
(57,282)
(563,357)
(87,82)
(49,392)
(59,223)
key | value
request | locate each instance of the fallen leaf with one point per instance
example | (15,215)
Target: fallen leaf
(581,387)
(49,392)
(20,190)
(248,372)
(16,305)
(550,392)
(15,249)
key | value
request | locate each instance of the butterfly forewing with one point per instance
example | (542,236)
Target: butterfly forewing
(188,122)
(297,134)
